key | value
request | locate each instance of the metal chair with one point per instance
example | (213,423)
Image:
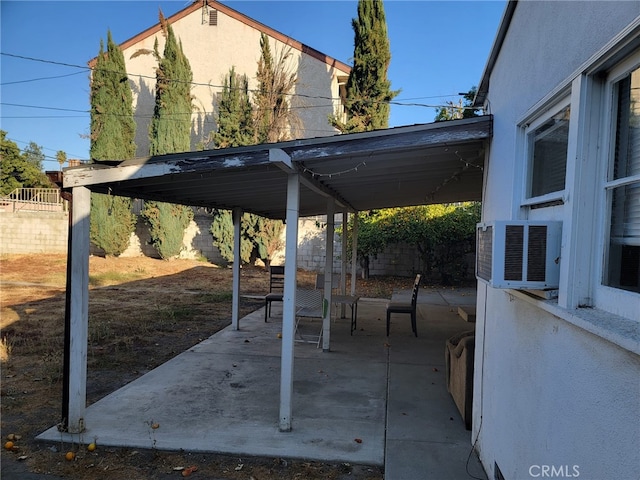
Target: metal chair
(405,307)
(276,288)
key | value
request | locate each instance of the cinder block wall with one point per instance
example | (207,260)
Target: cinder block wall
(33,232)
(46,232)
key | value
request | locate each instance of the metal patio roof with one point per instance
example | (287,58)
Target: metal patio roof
(403,166)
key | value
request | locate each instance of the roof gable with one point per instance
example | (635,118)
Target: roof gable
(198,4)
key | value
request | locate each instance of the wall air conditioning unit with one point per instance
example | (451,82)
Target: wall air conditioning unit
(518,254)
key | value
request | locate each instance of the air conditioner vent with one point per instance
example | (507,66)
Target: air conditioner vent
(514,236)
(519,254)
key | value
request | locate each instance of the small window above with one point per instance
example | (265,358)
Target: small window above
(547,144)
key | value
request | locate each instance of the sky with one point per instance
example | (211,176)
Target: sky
(438,50)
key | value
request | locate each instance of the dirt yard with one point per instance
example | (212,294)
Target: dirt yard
(142,312)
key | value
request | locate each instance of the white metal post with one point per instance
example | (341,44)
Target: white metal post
(328,276)
(289,302)
(235,308)
(79,309)
(354,253)
(343,266)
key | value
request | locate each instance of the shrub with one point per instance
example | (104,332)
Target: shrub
(112,223)
(167,223)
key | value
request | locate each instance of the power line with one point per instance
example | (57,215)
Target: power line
(38,79)
(40,147)
(210,85)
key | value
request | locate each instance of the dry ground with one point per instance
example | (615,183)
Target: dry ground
(142,312)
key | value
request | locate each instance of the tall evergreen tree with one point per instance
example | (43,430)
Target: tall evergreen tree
(112,138)
(170,132)
(368,91)
(274,119)
(235,113)
(259,237)
(113,129)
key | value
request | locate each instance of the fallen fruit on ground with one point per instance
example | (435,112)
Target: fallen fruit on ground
(91,447)
(70,456)
(9,445)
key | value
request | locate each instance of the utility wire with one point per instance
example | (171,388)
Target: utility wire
(210,85)
(38,79)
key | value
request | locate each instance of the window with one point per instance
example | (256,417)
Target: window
(547,140)
(623,187)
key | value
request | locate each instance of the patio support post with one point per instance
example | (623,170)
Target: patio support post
(354,253)
(343,266)
(235,308)
(289,301)
(77,325)
(328,275)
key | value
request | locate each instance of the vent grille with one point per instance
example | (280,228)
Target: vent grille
(536,253)
(213,17)
(483,255)
(514,252)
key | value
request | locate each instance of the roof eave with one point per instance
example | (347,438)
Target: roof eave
(483,87)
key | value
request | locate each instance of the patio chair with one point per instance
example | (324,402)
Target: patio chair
(396,306)
(276,288)
(310,304)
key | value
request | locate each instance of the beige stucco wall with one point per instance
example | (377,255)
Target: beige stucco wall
(212,51)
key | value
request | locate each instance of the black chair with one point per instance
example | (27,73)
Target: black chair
(276,288)
(405,307)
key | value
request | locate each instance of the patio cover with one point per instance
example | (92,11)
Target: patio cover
(403,166)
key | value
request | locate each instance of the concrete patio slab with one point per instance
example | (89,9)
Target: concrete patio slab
(370,400)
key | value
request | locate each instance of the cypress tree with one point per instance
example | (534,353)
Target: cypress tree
(235,113)
(368,89)
(112,127)
(170,132)
(259,237)
(112,138)
(273,116)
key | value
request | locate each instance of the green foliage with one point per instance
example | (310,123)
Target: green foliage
(112,127)
(453,111)
(259,236)
(442,234)
(61,157)
(170,132)
(222,231)
(170,129)
(167,223)
(235,113)
(368,89)
(274,118)
(18,170)
(111,223)
(112,138)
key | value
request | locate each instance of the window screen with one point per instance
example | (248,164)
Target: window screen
(548,154)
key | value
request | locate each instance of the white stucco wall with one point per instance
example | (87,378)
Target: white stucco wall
(212,51)
(546,391)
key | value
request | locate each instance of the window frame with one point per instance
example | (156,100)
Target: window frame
(609,298)
(527,131)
